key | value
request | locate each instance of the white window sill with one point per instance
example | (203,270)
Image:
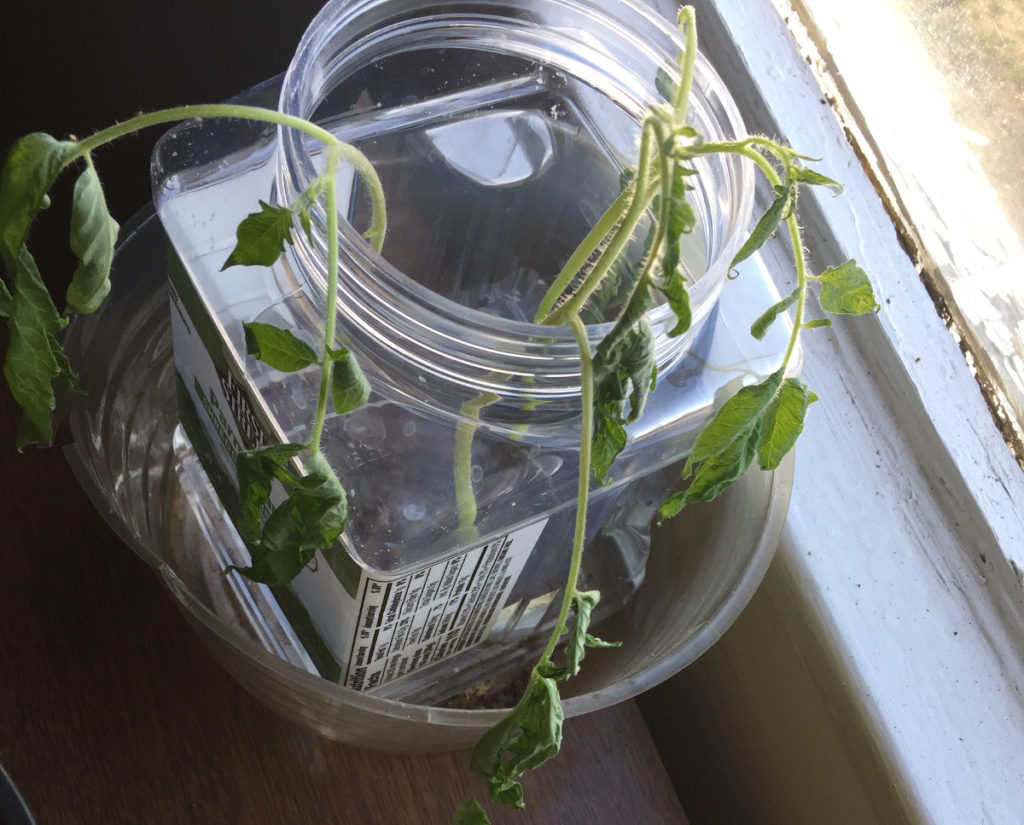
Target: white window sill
(878,674)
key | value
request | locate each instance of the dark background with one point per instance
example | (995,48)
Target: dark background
(74,68)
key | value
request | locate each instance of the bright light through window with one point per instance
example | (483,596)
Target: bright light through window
(937,88)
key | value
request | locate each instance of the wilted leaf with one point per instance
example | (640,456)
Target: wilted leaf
(349,387)
(760,327)
(525,739)
(34,357)
(93,237)
(28,174)
(766,225)
(783,422)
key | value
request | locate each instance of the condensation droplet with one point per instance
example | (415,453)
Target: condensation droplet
(415,511)
(476,472)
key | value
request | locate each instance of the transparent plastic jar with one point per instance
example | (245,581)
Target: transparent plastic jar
(500,131)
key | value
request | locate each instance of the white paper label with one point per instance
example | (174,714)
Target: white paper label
(410,622)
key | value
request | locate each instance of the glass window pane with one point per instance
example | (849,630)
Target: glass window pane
(937,88)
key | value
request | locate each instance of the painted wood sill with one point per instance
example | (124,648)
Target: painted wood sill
(877,675)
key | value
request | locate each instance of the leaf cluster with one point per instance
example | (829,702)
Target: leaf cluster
(531,734)
(315,511)
(310,518)
(35,361)
(760,421)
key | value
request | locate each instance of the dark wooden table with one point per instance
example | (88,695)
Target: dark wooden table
(111,711)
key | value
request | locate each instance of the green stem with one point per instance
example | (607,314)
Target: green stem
(336,151)
(327,363)
(579,329)
(612,215)
(795,239)
(378,220)
(687,63)
(465,497)
(177,113)
(640,201)
(801,282)
(743,148)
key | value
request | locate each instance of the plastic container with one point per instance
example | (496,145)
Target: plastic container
(704,565)
(500,130)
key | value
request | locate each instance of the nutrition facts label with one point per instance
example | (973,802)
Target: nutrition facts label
(410,622)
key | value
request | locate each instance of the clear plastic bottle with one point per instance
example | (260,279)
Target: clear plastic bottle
(500,131)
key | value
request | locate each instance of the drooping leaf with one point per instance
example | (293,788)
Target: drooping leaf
(680,219)
(28,174)
(638,367)
(612,292)
(679,299)
(766,225)
(727,445)
(256,470)
(760,327)
(93,237)
(470,812)
(579,639)
(349,387)
(309,519)
(783,422)
(609,440)
(325,501)
(273,567)
(261,236)
(612,349)
(34,358)
(716,473)
(620,392)
(278,347)
(818,323)
(736,418)
(525,739)
(846,289)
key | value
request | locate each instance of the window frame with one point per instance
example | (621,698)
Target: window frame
(898,580)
